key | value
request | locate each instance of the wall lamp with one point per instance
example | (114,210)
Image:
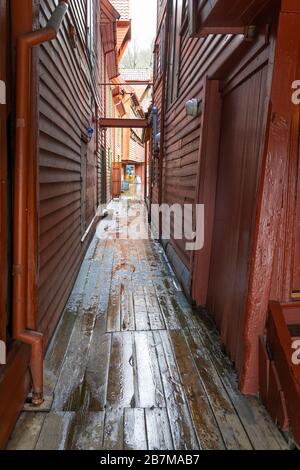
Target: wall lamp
(193,108)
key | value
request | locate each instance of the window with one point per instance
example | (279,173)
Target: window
(159,52)
(192,15)
(90,28)
(174,50)
(162,48)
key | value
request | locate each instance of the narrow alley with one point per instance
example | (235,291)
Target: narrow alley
(149,228)
(132,366)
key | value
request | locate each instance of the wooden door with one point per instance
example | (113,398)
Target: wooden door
(241,135)
(116,180)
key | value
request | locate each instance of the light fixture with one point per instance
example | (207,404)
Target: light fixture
(90,133)
(192,107)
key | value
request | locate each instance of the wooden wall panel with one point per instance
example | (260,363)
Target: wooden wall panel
(66,108)
(242,131)
(231,61)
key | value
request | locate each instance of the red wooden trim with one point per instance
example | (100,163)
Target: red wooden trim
(3,171)
(115,123)
(271,191)
(280,345)
(206,185)
(217,17)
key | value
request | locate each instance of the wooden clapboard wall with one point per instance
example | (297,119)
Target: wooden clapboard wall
(245,67)
(69,166)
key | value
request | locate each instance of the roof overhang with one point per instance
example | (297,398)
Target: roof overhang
(123,36)
(223,17)
(108,28)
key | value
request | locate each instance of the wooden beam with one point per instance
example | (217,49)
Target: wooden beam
(123,123)
(280,150)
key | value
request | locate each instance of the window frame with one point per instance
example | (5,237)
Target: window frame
(90,40)
(175,37)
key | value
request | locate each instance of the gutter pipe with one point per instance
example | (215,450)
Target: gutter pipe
(24,277)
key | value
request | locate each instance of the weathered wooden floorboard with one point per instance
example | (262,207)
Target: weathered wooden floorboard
(96,376)
(233,432)
(92,289)
(148,384)
(183,433)
(127,309)
(120,390)
(134,366)
(158,429)
(201,412)
(27,432)
(135,435)
(172,316)
(59,345)
(55,431)
(113,438)
(71,394)
(114,308)
(82,278)
(86,432)
(262,433)
(142,321)
(155,315)
(55,356)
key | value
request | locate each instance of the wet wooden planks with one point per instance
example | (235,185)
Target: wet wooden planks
(132,366)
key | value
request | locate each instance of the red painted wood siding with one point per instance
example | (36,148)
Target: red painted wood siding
(65,113)
(238,66)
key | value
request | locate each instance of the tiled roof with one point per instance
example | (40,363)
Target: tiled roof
(136,74)
(122,6)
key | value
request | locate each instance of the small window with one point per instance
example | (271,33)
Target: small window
(174,50)
(162,48)
(192,16)
(90,28)
(159,52)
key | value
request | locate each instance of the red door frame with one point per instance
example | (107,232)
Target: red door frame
(206,185)
(3,173)
(279,150)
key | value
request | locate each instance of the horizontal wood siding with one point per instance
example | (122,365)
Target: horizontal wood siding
(65,112)
(182,136)
(231,61)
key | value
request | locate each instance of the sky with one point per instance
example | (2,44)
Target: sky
(143,14)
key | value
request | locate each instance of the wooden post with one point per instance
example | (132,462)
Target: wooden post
(275,162)
(3,169)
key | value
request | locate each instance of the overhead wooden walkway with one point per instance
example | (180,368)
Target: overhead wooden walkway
(132,366)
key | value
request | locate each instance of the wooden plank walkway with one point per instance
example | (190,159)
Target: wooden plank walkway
(133,366)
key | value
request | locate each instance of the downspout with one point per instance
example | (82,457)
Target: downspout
(20,237)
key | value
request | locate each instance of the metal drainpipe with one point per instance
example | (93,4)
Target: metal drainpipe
(20,238)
